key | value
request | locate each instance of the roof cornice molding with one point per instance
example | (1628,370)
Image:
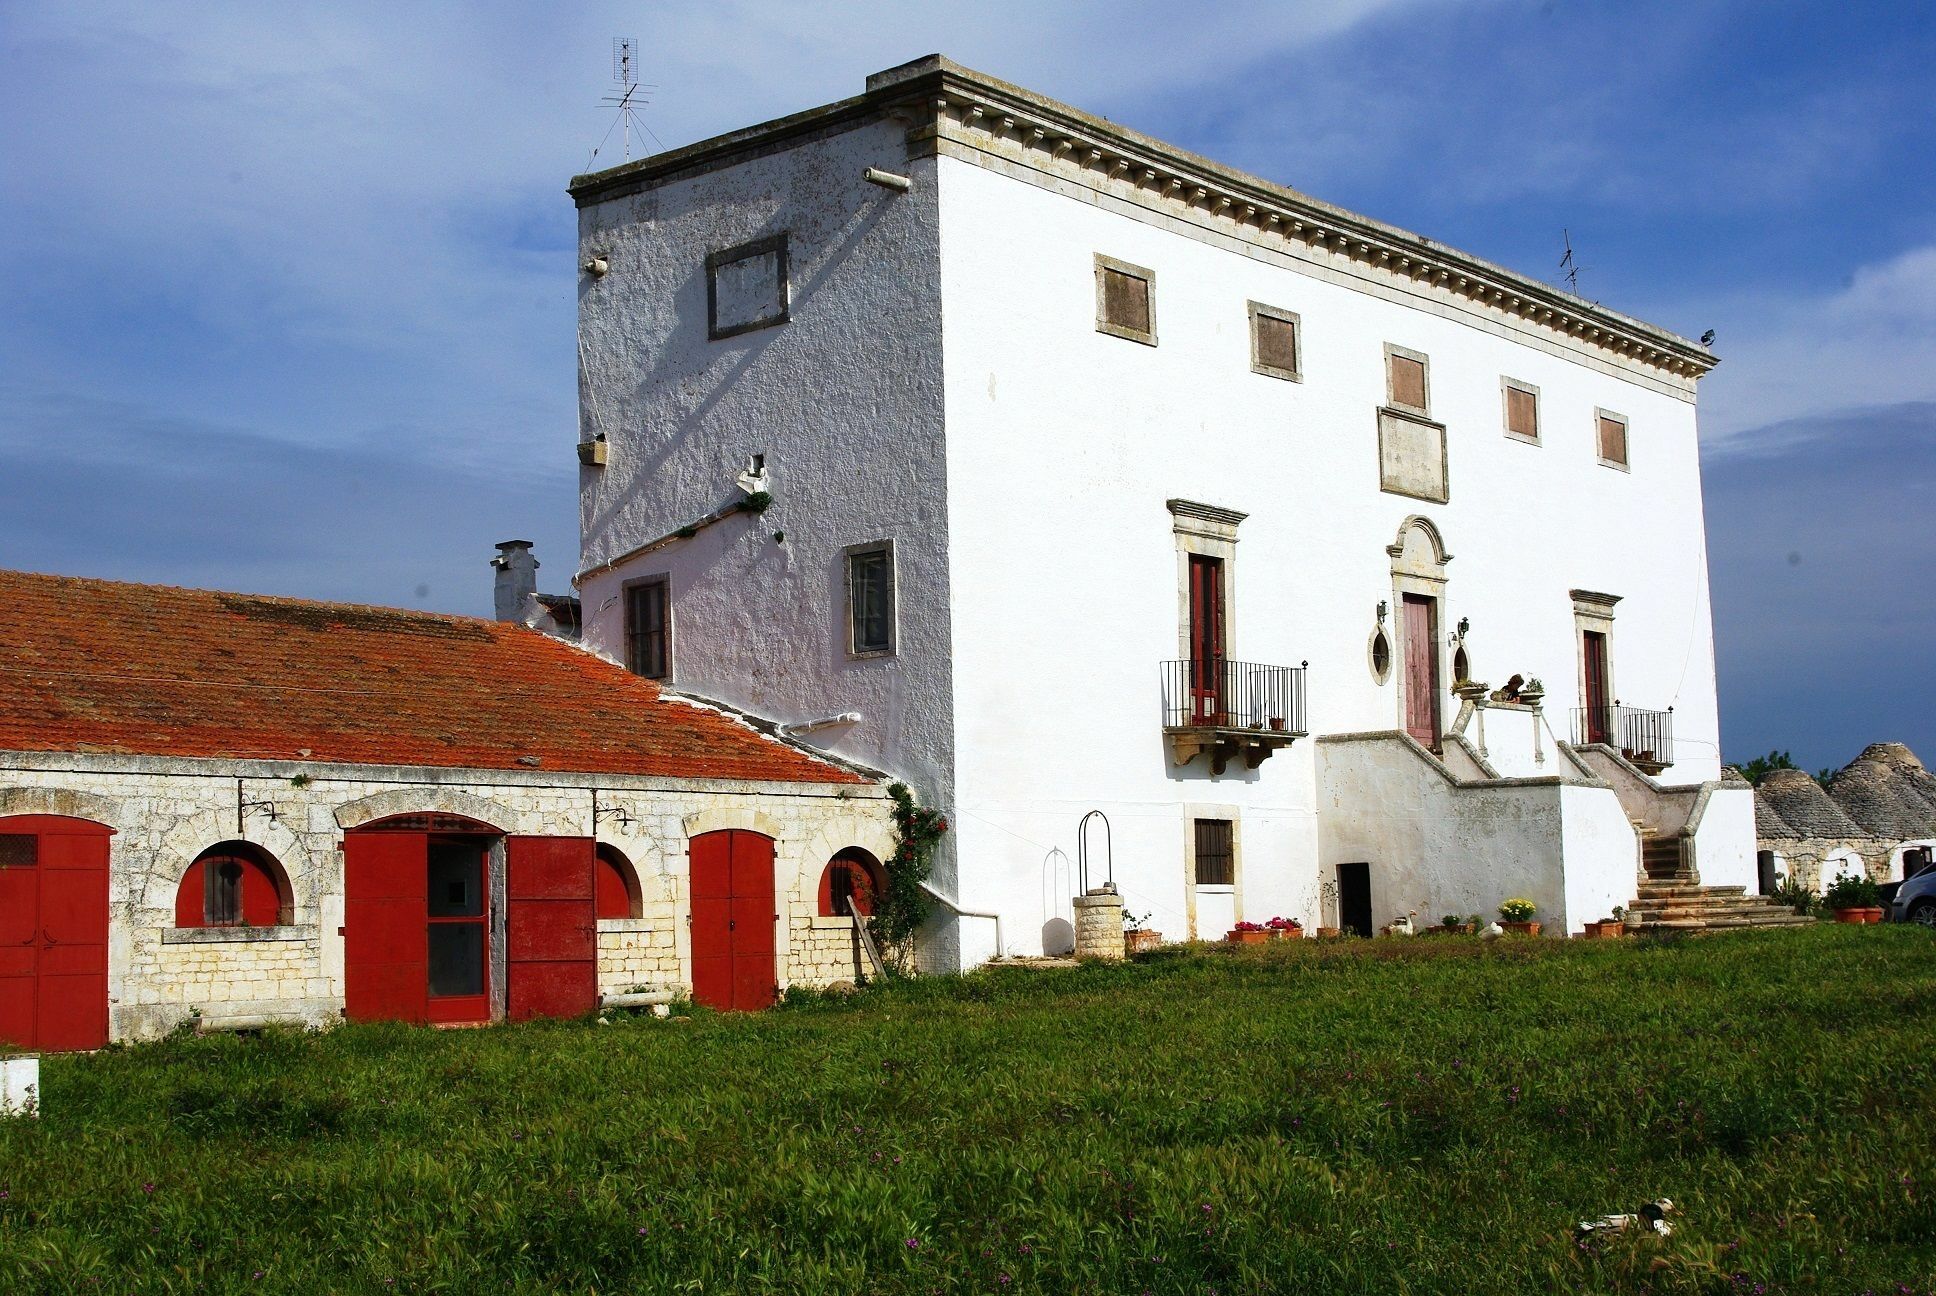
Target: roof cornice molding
(1205,512)
(943,103)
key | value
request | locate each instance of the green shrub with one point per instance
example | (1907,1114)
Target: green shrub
(1852,891)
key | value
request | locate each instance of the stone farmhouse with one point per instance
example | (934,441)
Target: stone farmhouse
(1876,817)
(1052,469)
(232,810)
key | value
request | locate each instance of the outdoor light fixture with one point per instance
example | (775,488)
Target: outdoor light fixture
(1383,608)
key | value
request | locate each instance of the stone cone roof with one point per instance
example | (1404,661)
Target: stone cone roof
(1887,791)
(1801,806)
(1768,821)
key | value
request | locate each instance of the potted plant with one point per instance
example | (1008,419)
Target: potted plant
(1277,723)
(1853,899)
(1248,933)
(1285,928)
(1330,933)
(1474,924)
(1516,916)
(1609,928)
(1136,937)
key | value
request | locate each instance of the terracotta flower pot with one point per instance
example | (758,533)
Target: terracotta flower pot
(1330,933)
(1136,942)
(1854,917)
(1872,913)
(1287,933)
(1521,928)
(1236,937)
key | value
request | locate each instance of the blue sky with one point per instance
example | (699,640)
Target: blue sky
(289,291)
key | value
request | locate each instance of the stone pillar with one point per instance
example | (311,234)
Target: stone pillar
(1099,924)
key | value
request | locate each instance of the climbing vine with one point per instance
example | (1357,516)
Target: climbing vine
(902,906)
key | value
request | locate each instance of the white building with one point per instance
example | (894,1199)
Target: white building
(1039,457)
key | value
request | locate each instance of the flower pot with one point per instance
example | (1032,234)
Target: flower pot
(1521,928)
(1872,913)
(1136,942)
(1608,930)
(1854,917)
(1329,933)
(1288,933)
(1246,937)
(1277,723)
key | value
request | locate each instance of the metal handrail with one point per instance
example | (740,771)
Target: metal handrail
(1224,694)
(1639,734)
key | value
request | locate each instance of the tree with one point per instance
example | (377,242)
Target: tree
(1761,766)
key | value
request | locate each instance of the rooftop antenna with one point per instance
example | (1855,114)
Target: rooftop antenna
(628,97)
(1570,264)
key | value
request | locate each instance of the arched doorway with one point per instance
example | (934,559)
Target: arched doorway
(733,920)
(416,920)
(53,933)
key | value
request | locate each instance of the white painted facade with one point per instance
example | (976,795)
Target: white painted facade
(941,383)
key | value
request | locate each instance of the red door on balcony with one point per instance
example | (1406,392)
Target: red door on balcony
(1599,715)
(53,933)
(1422,669)
(1206,640)
(733,918)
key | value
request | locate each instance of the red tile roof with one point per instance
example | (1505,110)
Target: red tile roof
(102,666)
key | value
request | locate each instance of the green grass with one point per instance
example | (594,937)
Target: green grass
(1423,1116)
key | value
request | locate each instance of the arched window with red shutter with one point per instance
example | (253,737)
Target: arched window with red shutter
(234,884)
(849,883)
(618,885)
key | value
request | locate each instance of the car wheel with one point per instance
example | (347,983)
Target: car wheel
(1924,913)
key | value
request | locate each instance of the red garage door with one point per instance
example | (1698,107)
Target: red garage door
(551,926)
(53,933)
(733,920)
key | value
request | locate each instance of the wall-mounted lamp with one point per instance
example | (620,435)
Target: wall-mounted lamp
(1383,608)
(1465,624)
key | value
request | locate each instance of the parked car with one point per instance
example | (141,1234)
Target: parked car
(1915,898)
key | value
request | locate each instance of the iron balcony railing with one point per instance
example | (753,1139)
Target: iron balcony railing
(1644,737)
(1222,694)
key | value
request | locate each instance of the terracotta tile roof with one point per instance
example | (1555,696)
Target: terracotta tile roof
(102,666)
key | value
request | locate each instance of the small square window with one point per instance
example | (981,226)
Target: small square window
(1522,410)
(870,599)
(1125,300)
(19,850)
(648,628)
(1407,380)
(1613,438)
(746,287)
(1275,342)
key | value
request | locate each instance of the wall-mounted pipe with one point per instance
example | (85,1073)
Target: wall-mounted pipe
(888,180)
(825,722)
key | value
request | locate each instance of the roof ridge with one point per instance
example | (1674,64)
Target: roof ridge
(288,600)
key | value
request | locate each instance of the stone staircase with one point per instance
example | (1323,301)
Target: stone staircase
(1670,899)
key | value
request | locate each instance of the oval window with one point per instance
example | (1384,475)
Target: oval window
(1380,655)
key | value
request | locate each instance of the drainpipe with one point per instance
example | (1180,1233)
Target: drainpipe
(1001,949)
(815,726)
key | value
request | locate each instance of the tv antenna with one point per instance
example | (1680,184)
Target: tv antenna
(1570,264)
(628,97)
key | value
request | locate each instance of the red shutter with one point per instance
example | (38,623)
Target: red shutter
(386,941)
(190,900)
(711,886)
(54,936)
(551,926)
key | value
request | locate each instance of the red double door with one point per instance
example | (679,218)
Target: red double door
(733,920)
(418,927)
(53,933)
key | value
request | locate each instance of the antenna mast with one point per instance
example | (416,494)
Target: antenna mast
(1569,264)
(628,96)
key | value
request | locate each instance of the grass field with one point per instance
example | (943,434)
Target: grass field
(1423,1116)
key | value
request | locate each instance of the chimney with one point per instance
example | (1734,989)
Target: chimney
(517,579)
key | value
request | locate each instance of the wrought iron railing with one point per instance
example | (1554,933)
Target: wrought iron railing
(1224,694)
(1644,737)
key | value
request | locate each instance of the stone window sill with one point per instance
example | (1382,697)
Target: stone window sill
(232,935)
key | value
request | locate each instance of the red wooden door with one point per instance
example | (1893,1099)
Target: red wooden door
(1206,640)
(1599,715)
(551,926)
(53,933)
(733,917)
(1422,669)
(386,944)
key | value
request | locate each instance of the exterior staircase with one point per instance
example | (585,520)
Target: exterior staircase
(1671,898)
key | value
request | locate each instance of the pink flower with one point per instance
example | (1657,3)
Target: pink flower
(914,1244)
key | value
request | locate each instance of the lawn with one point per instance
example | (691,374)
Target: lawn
(1430,1115)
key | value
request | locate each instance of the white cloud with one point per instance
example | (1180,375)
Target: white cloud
(1793,356)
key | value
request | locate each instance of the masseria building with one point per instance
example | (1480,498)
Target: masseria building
(1053,468)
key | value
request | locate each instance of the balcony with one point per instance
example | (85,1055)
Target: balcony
(1646,738)
(1231,709)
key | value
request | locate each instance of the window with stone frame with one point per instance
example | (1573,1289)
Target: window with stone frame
(1216,856)
(871,630)
(746,287)
(1125,300)
(1612,434)
(1408,381)
(648,628)
(1276,342)
(1522,410)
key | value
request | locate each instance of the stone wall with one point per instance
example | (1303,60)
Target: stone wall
(821,951)
(165,812)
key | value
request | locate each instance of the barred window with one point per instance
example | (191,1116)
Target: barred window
(1216,862)
(647,629)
